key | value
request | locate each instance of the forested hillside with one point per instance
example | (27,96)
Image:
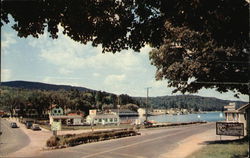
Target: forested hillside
(20,98)
(42,95)
(188,102)
(41,86)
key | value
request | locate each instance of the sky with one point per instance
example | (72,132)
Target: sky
(66,62)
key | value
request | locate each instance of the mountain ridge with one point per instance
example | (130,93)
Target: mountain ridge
(178,101)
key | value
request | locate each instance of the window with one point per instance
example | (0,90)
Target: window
(55,111)
(100,120)
(59,111)
(110,120)
(115,119)
(106,120)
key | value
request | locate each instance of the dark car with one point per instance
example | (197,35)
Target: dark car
(13,125)
(28,124)
(35,127)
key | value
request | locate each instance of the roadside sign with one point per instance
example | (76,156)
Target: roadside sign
(230,128)
(56,126)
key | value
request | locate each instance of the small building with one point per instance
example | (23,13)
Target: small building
(102,118)
(56,114)
(68,120)
(125,112)
(240,115)
(75,113)
(159,112)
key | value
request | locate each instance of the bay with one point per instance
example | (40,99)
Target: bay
(208,117)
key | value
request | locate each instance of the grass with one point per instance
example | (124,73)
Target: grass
(224,149)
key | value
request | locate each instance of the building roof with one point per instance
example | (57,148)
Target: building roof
(244,107)
(66,117)
(240,110)
(123,111)
(99,116)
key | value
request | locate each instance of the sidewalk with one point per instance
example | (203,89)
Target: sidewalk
(194,143)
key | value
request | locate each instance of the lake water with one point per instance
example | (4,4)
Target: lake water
(209,117)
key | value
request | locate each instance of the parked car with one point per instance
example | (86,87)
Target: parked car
(35,127)
(13,125)
(148,123)
(28,124)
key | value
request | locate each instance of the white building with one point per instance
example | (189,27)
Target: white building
(104,119)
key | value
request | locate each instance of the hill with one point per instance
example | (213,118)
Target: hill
(188,101)
(179,101)
(42,86)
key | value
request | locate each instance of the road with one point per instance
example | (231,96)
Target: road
(151,144)
(12,139)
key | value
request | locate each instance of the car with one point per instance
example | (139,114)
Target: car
(35,127)
(148,123)
(13,125)
(28,124)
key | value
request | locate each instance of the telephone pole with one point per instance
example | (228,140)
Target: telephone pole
(147,103)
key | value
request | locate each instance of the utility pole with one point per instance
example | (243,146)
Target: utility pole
(147,103)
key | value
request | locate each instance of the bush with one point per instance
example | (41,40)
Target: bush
(97,136)
(53,141)
(76,139)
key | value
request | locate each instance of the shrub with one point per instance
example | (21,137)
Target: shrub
(53,141)
(76,139)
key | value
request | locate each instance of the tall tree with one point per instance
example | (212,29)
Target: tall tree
(207,39)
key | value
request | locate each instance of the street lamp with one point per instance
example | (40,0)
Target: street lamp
(147,103)
(118,106)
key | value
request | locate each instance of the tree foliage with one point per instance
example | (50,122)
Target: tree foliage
(41,100)
(189,102)
(205,42)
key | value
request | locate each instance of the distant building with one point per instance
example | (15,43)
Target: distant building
(159,112)
(57,114)
(125,112)
(102,118)
(68,120)
(75,113)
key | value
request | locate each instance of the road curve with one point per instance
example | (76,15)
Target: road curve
(12,139)
(151,144)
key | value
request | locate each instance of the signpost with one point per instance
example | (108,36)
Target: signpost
(230,128)
(56,126)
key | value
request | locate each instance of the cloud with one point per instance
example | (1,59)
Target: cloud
(62,80)
(70,55)
(96,74)
(113,79)
(64,71)
(5,74)
(8,39)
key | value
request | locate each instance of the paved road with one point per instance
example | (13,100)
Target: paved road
(151,144)
(12,139)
